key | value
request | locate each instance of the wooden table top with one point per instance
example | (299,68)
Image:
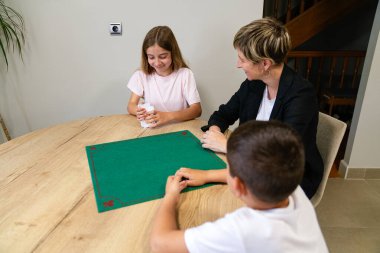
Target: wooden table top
(47,197)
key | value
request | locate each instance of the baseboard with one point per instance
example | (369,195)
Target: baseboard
(358,173)
(343,167)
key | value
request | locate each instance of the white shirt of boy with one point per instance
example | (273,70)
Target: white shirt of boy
(291,229)
(171,93)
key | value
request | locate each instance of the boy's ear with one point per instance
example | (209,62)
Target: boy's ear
(239,187)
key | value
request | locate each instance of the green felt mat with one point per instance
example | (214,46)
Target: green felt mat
(133,171)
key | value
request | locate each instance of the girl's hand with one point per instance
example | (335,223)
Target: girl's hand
(140,113)
(157,118)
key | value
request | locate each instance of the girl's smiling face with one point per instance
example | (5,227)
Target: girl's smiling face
(160,59)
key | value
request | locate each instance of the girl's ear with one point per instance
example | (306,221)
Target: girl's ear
(238,187)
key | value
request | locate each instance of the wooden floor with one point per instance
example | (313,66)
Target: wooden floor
(349,215)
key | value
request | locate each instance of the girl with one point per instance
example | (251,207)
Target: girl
(164,81)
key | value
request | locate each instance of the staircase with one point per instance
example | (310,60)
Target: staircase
(335,75)
(304,19)
(335,72)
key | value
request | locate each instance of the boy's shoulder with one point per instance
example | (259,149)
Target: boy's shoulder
(261,229)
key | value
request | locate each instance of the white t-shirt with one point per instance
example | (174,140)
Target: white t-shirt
(266,107)
(292,229)
(171,93)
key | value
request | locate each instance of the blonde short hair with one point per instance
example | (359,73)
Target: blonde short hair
(265,38)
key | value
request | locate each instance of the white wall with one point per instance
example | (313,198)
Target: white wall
(363,147)
(74,69)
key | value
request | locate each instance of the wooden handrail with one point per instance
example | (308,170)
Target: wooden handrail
(319,17)
(338,70)
(304,19)
(341,53)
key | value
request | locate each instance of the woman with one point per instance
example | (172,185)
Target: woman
(272,91)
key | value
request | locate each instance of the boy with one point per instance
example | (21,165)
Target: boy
(266,161)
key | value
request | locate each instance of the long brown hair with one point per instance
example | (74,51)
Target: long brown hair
(163,37)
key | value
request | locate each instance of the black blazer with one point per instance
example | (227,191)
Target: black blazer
(296,105)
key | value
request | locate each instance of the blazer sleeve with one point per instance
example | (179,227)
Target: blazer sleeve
(228,113)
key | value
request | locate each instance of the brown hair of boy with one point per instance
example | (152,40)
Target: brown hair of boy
(268,156)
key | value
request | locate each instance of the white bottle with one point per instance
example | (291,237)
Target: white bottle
(149,109)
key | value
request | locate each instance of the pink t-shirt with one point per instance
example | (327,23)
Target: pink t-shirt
(170,93)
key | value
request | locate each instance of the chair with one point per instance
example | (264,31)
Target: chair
(330,133)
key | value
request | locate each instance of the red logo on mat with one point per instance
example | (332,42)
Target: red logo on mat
(184,133)
(108,203)
(92,148)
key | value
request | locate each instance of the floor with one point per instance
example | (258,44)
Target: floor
(349,215)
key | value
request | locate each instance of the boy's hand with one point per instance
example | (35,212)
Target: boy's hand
(174,186)
(193,177)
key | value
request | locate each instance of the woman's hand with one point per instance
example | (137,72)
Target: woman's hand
(214,140)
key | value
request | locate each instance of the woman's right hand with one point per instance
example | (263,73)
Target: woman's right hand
(214,140)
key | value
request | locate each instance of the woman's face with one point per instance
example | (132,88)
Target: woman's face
(160,59)
(252,70)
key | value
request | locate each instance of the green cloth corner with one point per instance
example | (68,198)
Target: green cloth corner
(133,171)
